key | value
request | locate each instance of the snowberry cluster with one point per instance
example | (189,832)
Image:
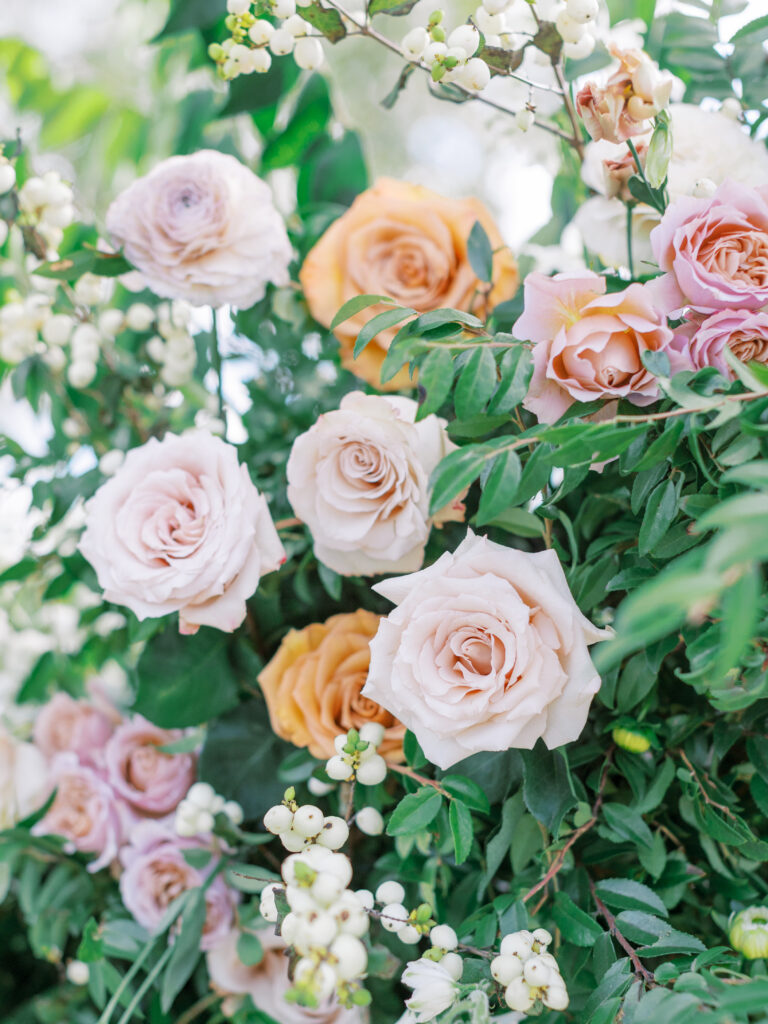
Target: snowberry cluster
(21,320)
(173,347)
(46,204)
(409,926)
(356,758)
(528,973)
(510,24)
(255,39)
(196,814)
(301,827)
(325,925)
(449,58)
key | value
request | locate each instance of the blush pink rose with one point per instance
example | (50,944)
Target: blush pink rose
(703,342)
(716,249)
(486,650)
(587,344)
(149,780)
(635,92)
(156,873)
(180,527)
(85,811)
(203,228)
(65,724)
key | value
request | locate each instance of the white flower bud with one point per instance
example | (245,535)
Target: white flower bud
(524,119)
(373,733)
(352,957)
(110,462)
(300,900)
(205,822)
(338,769)
(290,928)
(542,936)
(308,820)
(201,794)
(57,329)
(732,108)
(582,11)
(365,898)
(261,61)
(369,821)
(476,75)
(327,888)
(454,964)
(111,322)
(80,374)
(466,37)
(7,176)
(319,931)
(293,841)
(283,8)
(536,973)
(296,25)
(281,43)
(308,53)
(580,50)
(409,935)
(85,343)
(413,46)
(556,997)
(444,937)
(372,772)
(570,30)
(278,819)
(238,7)
(78,972)
(433,50)
(518,944)
(234,812)
(54,357)
(334,833)
(704,188)
(352,920)
(319,788)
(506,968)
(339,742)
(267,906)
(261,31)
(496,6)
(394,916)
(491,24)
(390,892)
(518,996)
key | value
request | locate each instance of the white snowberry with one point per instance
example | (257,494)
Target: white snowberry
(338,769)
(413,45)
(394,917)
(334,833)
(308,820)
(278,819)
(372,772)
(372,732)
(390,892)
(506,968)
(517,996)
(369,821)
(466,37)
(582,11)
(267,905)
(351,955)
(308,53)
(281,42)
(444,937)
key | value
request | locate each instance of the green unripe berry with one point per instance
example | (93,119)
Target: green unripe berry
(635,742)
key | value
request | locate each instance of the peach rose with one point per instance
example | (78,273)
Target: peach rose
(408,243)
(635,92)
(486,650)
(180,527)
(313,685)
(202,228)
(24,780)
(85,811)
(359,479)
(151,781)
(715,250)
(588,344)
(65,724)
(267,982)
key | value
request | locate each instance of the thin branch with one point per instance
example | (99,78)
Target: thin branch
(707,798)
(199,1007)
(639,968)
(403,769)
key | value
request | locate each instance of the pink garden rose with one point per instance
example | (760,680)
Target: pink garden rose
(149,780)
(180,527)
(202,228)
(486,650)
(65,724)
(267,982)
(156,874)
(85,811)
(716,249)
(588,344)
(703,342)
(635,92)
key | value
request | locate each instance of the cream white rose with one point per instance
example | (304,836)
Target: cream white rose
(180,527)
(359,479)
(202,228)
(486,650)
(24,780)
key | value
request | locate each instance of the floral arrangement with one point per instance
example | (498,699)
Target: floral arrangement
(383,611)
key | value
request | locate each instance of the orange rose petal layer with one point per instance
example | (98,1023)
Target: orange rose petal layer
(312,685)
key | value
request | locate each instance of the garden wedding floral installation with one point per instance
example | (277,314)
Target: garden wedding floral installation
(313,728)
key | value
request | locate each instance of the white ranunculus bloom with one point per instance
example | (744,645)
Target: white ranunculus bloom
(486,650)
(434,990)
(24,781)
(202,228)
(359,479)
(181,527)
(705,144)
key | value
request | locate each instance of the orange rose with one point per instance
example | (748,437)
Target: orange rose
(312,685)
(410,244)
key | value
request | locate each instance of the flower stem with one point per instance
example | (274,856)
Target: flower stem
(216,360)
(630,260)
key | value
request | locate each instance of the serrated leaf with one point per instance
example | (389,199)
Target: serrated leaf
(627,824)
(626,894)
(414,812)
(575,924)
(460,820)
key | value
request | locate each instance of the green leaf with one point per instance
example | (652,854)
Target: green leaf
(460,820)
(436,377)
(380,322)
(475,384)
(189,14)
(396,8)
(625,894)
(467,791)
(249,949)
(627,824)
(658,155)
(91,948)
(455,473)
(515,371)
(500,842)
(480,252)
(326,20)
(500,487)
(757,25)
(356,304)
(185,680)
(415,812)
(575,924)
(547,787)
(90,261)
(660,511)
(186,950)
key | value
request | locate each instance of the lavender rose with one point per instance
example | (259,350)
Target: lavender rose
(181,528)
(202,228)
(65,724)
(150,780)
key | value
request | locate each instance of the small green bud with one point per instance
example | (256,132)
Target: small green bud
(749,933)
(423,912)
(438,71)
(305,875)
(230,22)
(433,953)
(636,741)
(361,997)
(450,63)
(435,18)
(216,52)
(438,34)
(248,19)
(290,795)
